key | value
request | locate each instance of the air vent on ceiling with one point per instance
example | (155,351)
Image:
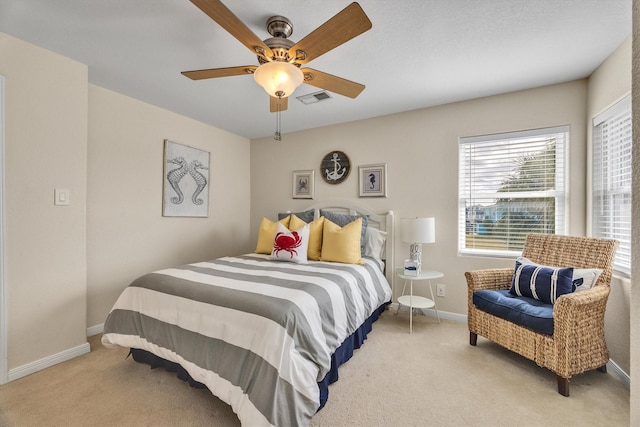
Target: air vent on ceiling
(312,98)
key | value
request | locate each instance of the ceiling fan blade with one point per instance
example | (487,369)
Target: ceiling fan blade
(347,24)
(332,83)
(219,72)
(278,104)
(230,22)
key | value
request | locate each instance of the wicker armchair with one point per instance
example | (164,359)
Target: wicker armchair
(577,344)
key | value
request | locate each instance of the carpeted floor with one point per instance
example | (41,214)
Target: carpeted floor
(430,378)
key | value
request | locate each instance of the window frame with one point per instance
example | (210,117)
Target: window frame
(560,192)
(620,111)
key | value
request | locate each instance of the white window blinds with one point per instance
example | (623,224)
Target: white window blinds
(510,185)
(612,180)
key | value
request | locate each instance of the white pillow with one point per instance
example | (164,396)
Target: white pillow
(373,243)
(589,278)
(583,278)
(291,246)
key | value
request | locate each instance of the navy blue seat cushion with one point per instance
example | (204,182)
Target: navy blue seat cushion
(523,311)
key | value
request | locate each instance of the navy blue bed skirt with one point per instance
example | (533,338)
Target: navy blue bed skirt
(345,351)
(341,355)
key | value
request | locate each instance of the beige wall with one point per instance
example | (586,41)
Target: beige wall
(421,151)
(607,85)
(45,136)
(65,266)
(126,232)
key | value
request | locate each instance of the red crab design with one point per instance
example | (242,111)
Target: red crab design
(285,242)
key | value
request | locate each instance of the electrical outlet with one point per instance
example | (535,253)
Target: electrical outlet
(440,290)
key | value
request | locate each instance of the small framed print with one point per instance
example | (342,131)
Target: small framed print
(373,180)
(303,184)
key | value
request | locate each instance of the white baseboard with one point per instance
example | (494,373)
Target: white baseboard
(616,371)
(54,359)
(446,315)
(95,330)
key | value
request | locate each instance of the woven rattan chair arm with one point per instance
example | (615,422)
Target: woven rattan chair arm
(578,332)
(581,305)
(495,278)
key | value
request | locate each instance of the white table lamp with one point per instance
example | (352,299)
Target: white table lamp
(417,231)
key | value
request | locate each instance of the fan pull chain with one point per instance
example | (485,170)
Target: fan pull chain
(278,135)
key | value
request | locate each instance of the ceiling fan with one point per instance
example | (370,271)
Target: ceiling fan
(279,72)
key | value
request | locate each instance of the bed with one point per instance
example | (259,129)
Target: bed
(263,335)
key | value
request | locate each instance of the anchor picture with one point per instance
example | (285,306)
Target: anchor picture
(338,171)
(186,183)
(335,167)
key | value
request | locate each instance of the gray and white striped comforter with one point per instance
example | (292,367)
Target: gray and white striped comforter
(258,333)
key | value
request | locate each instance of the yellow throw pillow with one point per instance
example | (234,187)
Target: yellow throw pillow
(341,244)
(266,234)
(315,235)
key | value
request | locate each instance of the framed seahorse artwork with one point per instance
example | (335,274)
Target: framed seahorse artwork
(373,180)
(186,181)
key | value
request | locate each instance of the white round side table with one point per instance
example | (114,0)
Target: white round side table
(416,301)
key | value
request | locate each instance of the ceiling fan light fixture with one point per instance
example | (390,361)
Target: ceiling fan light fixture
(278,78)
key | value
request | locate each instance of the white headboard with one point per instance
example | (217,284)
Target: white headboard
(383,221)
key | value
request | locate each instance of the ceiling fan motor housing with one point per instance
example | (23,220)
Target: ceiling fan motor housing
(280,48)
(280,28)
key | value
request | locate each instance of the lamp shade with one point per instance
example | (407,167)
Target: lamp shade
(278,79)
(418,230)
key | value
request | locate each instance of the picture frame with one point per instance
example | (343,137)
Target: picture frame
(186,181)
(373,180)
(303,184)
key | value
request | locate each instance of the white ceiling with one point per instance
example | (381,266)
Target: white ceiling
(419,53)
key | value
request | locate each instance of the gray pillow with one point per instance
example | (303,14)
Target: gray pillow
(344,219)
(306,216)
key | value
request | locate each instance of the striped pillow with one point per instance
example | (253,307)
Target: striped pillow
(541,282)
(583,278)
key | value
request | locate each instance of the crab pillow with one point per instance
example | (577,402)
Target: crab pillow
(291,246)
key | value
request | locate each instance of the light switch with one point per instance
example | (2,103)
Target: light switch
(61,197)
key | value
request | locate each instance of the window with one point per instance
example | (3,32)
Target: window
(511,184)
(612,180)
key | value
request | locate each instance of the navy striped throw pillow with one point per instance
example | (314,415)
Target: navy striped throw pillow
(541,282)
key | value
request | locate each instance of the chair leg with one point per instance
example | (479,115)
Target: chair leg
(473,338)
(602,369)
(563,385)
